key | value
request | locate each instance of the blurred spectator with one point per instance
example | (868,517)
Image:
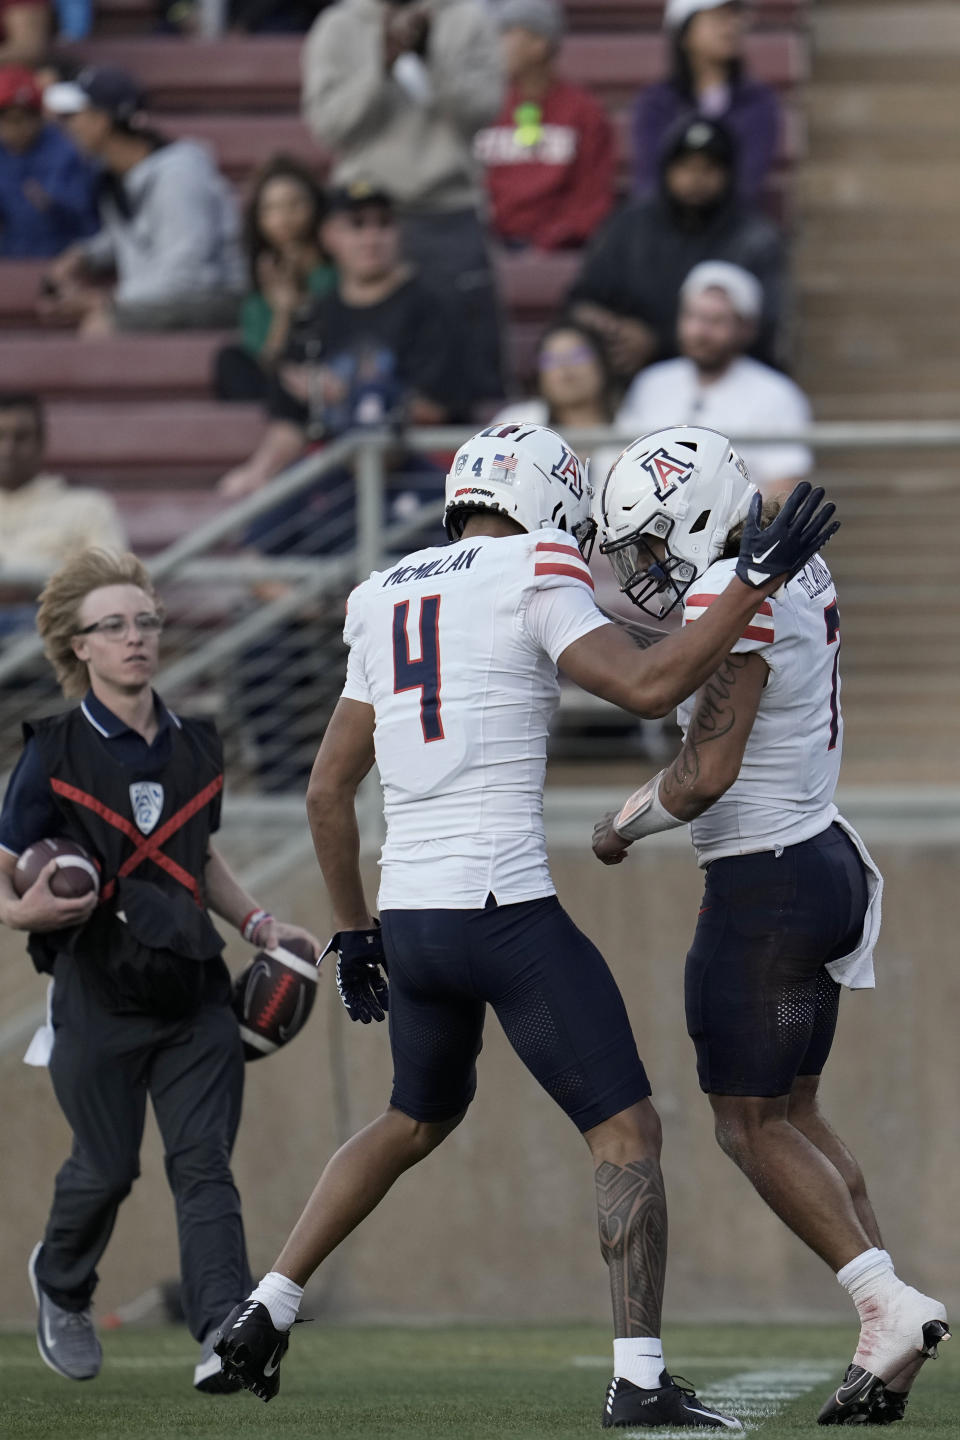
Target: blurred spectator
(47,190)
(25,27)
(287,266)
(575,389)
(708,79)
(631,277)
(398,91)
(43,520)
(379,348)
(549,156)
(169,221)
(713,382)
(265,17)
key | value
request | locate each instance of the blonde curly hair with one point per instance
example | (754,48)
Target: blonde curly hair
(59,611)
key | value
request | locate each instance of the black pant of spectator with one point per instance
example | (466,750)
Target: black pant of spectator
(103,1067)
(450,253)
(239,376)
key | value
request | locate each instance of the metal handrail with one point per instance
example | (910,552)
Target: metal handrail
(367,449)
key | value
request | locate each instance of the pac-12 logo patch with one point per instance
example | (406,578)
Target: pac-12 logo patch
(461,464)
(667,472)
(146,797)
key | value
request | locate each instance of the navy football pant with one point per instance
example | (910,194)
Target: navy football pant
(761,1007)
(103,1067)
(549,987)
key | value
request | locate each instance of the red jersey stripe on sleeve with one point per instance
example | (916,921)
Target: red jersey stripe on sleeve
(552,568)
(561,549)
(704,600)
(754,632)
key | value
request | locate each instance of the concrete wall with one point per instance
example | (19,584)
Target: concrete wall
(500,1222)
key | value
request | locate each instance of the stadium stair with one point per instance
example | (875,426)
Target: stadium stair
(878,287)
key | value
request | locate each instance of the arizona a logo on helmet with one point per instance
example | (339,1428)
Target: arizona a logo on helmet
(667,473)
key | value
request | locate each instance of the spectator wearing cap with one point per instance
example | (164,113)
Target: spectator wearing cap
(397,91)
(714,382)
(379,348)
(708,79)
(169,223)
(630,282)
(25,29)
(549,155)
(47,189)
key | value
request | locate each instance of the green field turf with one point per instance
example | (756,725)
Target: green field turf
(468,1382)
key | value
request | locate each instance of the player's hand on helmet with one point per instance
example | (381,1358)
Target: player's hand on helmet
(38,909)
(799,530)
(608,846)
(361,973)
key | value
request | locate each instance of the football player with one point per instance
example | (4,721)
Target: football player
(451,686)
(791,908)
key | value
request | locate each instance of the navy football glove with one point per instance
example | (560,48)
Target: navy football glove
(789,541)
(360,960)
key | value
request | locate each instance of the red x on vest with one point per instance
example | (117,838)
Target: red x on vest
(147,846)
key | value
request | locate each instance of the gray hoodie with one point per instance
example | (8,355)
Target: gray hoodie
(182,234)
(419,147)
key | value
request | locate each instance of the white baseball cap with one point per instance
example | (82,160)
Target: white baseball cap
(742,289)
(676,13)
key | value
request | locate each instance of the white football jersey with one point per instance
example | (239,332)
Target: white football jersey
(455,648)
(784,792)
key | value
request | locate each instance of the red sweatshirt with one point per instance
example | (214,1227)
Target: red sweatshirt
(556,190)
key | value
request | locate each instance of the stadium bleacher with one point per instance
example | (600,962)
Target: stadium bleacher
(153,423)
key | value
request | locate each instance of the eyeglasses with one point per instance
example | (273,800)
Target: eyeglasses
(115,627)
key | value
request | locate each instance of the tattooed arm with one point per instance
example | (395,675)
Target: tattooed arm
(709,762)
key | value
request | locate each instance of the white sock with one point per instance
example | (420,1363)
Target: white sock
(639,1360)
(866,1275)
(281,1297)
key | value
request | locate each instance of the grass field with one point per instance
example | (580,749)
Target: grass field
(467,1382)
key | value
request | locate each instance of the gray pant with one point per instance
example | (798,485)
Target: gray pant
(103,1067)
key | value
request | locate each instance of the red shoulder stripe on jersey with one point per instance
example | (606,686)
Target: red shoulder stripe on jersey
(561,549)
(551,569)
(753,632)
(704,600)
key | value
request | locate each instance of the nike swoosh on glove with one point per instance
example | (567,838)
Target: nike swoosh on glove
(784,547)
(361,973)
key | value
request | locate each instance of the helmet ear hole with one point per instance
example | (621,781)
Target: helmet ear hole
(700,523)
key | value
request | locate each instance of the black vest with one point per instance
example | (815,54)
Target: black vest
(142,945)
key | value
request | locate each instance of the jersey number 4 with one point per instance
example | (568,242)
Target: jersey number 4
(422,674)
(831,617)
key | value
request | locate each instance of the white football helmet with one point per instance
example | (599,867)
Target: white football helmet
(526,472)
(686,487)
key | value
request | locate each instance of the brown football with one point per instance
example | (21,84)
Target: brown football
(76,874)
(274,996)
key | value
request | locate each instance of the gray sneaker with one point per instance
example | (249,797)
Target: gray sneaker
(208,1375)
(66,1339)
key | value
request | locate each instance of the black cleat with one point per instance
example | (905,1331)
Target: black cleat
(850,1402)
(671,1405)
(887,1406)
(863,1399)
(251,1348)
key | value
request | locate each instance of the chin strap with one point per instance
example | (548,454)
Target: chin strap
(643,814)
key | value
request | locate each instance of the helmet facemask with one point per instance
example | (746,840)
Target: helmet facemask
(655,584)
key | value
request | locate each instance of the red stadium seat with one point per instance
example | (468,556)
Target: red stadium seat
(156,367)
(263,72)
(137,445)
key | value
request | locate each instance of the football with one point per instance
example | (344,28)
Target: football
(273,997)
(76,874)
